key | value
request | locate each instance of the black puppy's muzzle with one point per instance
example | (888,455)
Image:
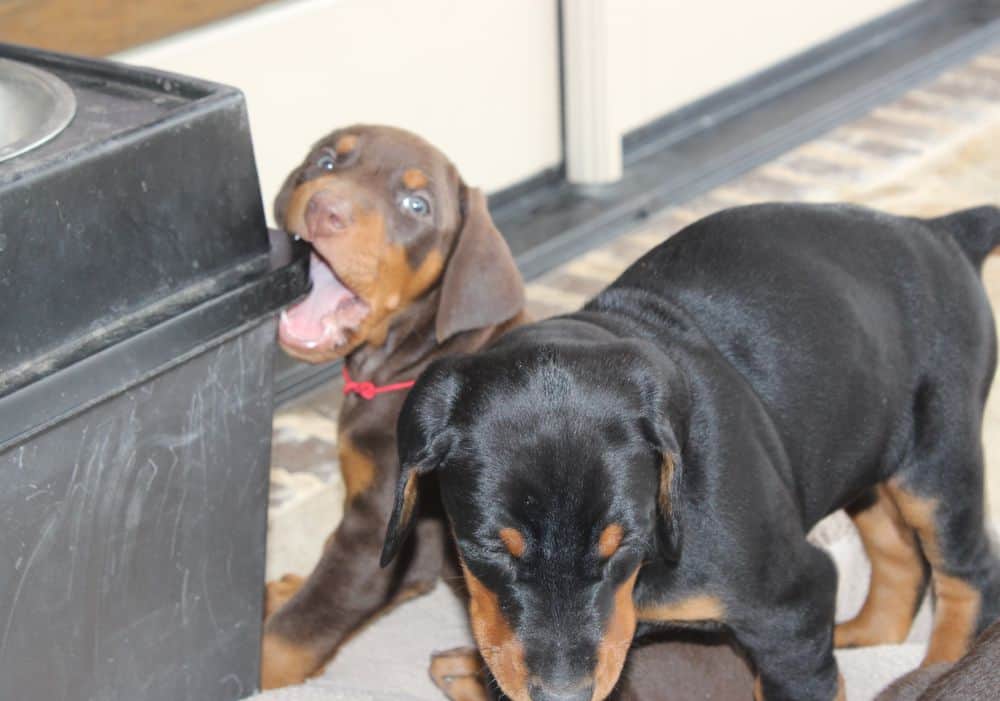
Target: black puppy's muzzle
(560,692)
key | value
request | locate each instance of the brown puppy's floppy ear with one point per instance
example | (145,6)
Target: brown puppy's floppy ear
(424,440)
(482,285)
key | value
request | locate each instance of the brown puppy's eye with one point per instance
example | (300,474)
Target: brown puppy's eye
(610,540)
(326,162)
(514,541)
(417,204)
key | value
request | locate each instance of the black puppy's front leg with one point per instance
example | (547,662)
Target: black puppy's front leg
(788,632)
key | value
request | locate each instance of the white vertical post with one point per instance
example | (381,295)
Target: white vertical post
(593,142)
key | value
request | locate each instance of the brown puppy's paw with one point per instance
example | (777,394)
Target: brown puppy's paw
(459,674)
(280,591)
(283,663)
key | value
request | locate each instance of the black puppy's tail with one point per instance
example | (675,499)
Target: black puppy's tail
(976,230)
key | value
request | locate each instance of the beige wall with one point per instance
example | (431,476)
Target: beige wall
(666,53)
(478,78)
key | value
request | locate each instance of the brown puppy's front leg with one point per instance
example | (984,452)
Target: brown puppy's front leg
(347,588)
(461,674)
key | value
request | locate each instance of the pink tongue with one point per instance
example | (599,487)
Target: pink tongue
(304,321)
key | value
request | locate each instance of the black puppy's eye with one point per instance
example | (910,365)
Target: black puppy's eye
(326,162)
(416,204)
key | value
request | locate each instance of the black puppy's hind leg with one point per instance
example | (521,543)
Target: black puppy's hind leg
(897,574)
(939,492)
(788,632)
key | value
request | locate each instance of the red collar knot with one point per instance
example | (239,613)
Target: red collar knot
(369,390)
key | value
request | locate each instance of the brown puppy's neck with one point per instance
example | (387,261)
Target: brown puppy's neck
(410,343)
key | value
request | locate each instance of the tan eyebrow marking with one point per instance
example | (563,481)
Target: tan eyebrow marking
(414,179)
(514,541)
(610,540)
(345,144)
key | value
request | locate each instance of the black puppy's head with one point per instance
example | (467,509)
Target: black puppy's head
(555,470)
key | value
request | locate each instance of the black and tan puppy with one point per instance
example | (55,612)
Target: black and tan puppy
(657,458)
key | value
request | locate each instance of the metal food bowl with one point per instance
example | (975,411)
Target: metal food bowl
(34,107)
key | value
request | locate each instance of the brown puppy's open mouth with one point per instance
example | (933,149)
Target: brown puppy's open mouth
(324,319)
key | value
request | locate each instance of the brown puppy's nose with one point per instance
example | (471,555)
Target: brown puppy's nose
(327,213)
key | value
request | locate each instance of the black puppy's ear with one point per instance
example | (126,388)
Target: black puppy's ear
(661,438)
(424,440)
(404,508)
(482,285)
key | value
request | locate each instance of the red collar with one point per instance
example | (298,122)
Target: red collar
(368,390)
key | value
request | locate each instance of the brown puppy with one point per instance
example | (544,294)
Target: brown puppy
(407,265)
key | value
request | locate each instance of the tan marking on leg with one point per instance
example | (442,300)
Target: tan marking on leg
(414,179)
(458,674)
(283,663)
(897,577)
(693,608)
(758,689)
(280,591)
(497,642)
(957,603)
(617,639)
(357,467)
(954,620)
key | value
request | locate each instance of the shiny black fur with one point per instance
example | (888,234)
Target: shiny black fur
(788,357)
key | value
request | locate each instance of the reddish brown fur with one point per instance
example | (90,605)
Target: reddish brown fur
(356,467)
(399,278)
(346,144)
(414,179)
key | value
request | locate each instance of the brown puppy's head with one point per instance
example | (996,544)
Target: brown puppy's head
(389,219)
(553,477)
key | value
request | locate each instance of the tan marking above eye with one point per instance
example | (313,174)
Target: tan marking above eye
(514,541)
(345,144)
(414,179)
(610,540)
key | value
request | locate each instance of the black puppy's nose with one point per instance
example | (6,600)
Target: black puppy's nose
(549,692)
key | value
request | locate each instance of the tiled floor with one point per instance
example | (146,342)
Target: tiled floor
(935,149)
